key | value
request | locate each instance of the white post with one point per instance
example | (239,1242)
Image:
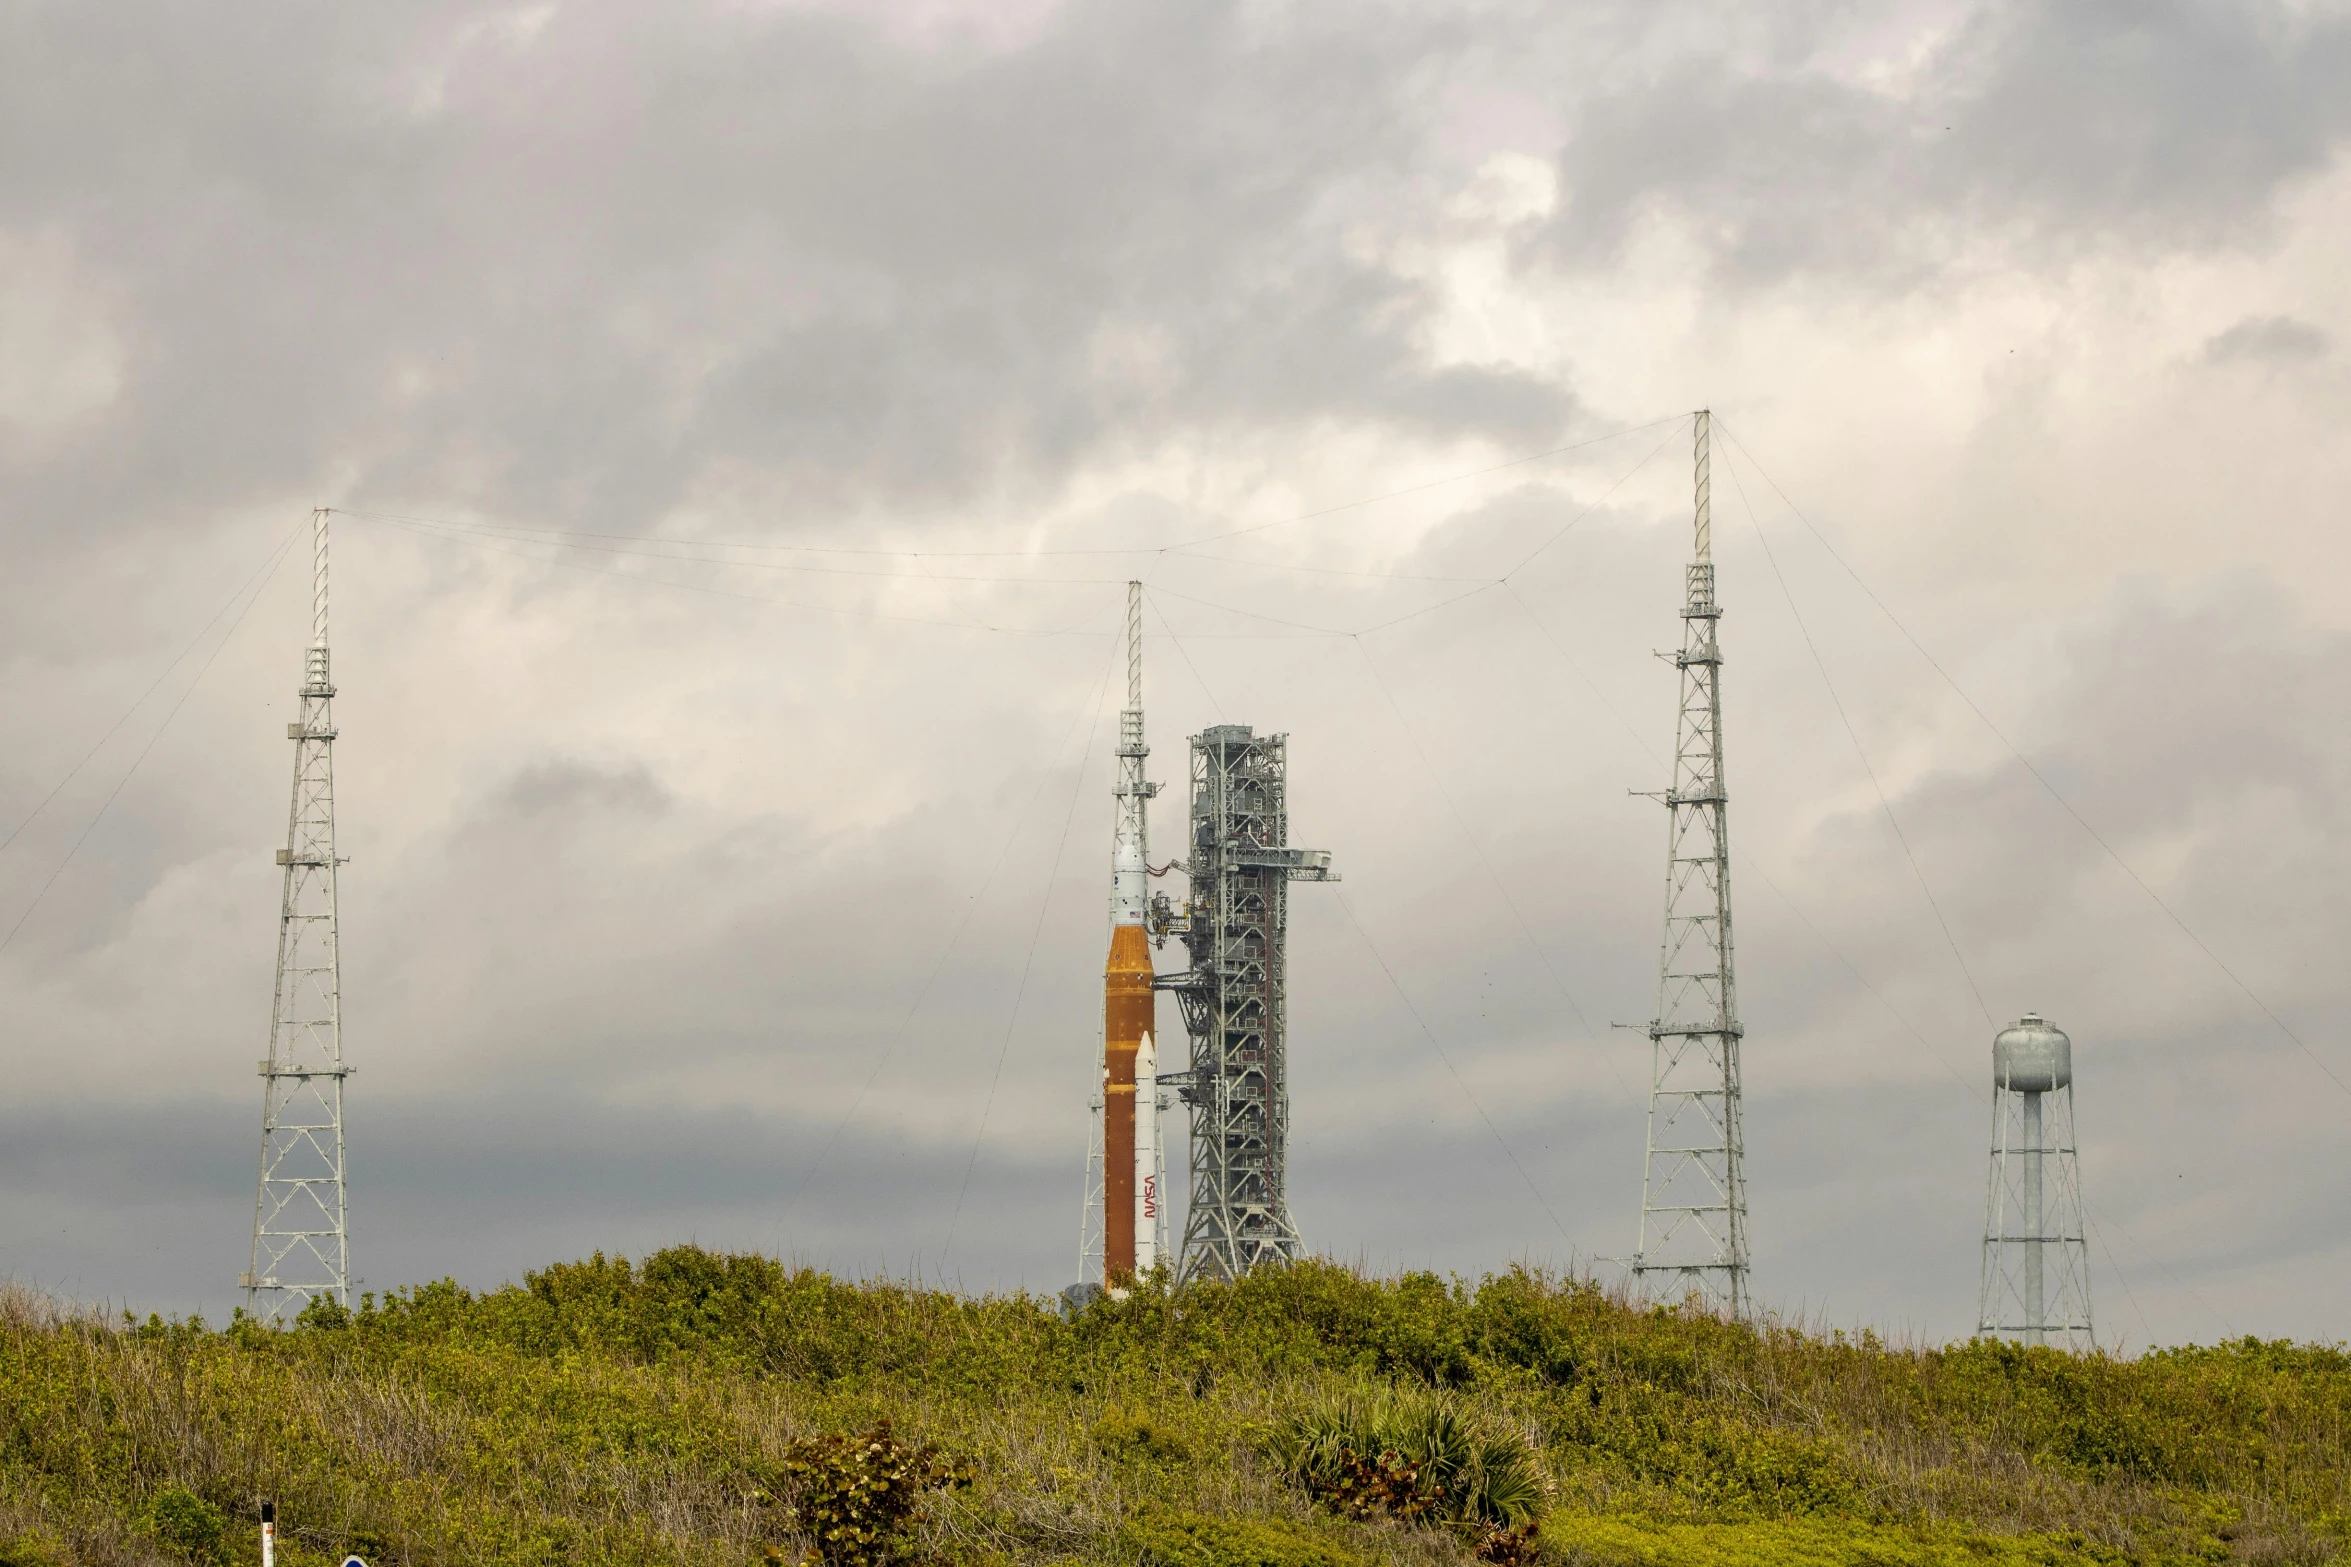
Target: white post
(269,1534)
(2036,1319)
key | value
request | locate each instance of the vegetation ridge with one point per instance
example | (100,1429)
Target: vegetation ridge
(680,1410)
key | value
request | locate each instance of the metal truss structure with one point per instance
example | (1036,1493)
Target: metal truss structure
(1090,1198)
(2036,1274)
(1235,926)
(1694,1184)
(1154,1238)
(301,1247)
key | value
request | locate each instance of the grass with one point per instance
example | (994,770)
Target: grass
(603,1412)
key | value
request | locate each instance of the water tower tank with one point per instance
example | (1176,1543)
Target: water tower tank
(2032,1056)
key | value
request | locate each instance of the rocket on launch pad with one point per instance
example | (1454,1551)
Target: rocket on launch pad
(1130,1098)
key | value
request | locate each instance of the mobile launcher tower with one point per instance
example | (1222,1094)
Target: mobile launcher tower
(1235,1000)
(2036,1283)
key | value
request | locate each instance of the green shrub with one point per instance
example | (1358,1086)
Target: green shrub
(179,1518)
(637,1413)
(1125,1434)
(1590,1541)
(856,1494)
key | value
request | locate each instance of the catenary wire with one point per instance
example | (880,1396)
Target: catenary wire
(551,539)
(1417,489)
(697,587)
(493,536)
(1301,633)
(1329,571)
(1146,549)
(1574,522)
(616,544)
(1308,630)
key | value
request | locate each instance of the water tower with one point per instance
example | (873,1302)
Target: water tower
(2036,1284)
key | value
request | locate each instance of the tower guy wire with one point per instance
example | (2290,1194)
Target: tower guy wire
(253,584)
(270,562)
(1445,1056)
(1028,962)
(1885,804)
(946,951)
(1478,849)
(2026,762)
(1387,970)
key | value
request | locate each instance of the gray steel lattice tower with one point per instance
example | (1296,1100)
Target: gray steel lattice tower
(1235,999)
(301,1249)
(1694,1186)
(2032,1243)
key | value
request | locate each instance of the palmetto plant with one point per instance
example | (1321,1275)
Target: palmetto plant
(1417,1456)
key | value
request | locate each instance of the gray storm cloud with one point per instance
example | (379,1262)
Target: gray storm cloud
(746,418)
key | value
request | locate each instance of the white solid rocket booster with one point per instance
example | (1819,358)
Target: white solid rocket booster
(1146,1155)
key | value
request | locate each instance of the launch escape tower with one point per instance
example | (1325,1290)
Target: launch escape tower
(300,1248)
(2036,1279)
(1694,1186)
(1234,995)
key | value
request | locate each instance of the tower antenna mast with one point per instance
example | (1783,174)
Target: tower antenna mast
(301,1247)
(1694,1185)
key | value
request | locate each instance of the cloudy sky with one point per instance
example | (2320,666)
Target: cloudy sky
(745,417)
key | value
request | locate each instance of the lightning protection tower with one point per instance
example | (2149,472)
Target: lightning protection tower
(1694,1186)
(301,1250)
(2036,1284)
(1235,999)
